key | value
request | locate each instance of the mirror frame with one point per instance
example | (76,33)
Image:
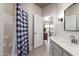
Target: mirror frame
(64,20)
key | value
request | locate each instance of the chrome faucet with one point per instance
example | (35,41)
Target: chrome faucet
(73,39)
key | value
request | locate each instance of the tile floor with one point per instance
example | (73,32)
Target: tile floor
(40,51)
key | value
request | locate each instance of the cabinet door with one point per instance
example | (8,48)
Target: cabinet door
(57,50)
(56,53)
(66,53)
(51,48)
(51,52)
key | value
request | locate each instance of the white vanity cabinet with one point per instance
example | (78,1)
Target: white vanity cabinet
(56,50)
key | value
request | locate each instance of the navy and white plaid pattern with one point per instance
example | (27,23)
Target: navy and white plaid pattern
(22,31)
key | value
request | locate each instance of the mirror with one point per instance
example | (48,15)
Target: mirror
(71,18)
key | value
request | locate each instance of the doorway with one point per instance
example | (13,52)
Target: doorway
(48,29)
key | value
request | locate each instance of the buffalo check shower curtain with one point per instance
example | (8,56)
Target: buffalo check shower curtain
(22,31)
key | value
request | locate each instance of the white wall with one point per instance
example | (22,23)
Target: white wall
(50,10)
(60,13)
(31,9)
(57,10)
(60,25)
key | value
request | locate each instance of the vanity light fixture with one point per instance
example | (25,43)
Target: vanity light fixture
(60,19)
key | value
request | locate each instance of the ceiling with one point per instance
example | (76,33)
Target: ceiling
(42,5)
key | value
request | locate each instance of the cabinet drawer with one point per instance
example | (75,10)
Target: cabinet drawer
(58,49)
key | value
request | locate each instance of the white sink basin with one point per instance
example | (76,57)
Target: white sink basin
(69,43)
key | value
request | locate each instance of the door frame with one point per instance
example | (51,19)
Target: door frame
(33,31)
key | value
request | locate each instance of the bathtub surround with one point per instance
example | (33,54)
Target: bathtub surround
(9,36)
(9,28)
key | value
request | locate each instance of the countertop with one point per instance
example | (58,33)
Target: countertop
(66,44)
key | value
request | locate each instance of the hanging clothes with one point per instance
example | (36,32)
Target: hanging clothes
(22,31)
